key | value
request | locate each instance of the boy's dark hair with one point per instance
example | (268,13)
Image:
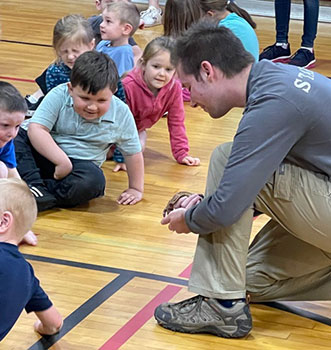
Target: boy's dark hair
(206,41)
(10,99)
(94,71)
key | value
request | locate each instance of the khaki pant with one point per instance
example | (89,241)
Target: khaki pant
(289,259)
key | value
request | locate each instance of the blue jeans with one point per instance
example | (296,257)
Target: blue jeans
(311,10)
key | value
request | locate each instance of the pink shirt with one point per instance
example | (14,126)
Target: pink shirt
(147,109)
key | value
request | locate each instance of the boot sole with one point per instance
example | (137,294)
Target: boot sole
(238,331)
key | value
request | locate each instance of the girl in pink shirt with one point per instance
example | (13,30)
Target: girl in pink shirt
(151,91)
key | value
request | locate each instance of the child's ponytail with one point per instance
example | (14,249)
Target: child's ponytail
(231,6)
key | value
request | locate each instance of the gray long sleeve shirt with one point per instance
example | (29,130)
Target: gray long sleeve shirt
(287,117)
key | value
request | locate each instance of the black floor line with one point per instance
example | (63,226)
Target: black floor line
(300,312)
(84,310)
(150,276)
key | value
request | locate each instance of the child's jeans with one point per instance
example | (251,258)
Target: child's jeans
(85,182)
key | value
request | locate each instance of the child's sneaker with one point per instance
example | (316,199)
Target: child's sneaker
(32,106)
(276,53)
(151,17)
(303,58)
(45,200)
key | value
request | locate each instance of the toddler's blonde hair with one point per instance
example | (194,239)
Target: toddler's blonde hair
(16,198)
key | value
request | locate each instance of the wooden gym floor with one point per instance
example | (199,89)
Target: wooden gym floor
(106,267)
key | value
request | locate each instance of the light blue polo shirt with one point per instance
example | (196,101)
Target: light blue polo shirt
(87,139)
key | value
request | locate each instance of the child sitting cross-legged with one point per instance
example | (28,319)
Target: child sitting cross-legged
(120,21)
(60,152)
(19,288)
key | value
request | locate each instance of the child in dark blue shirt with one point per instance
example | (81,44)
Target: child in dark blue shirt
(19,288)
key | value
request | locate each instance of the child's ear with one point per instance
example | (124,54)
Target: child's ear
(69,88)
(92,44)
(98,5)
(6,221)
(127,29)
(140,63)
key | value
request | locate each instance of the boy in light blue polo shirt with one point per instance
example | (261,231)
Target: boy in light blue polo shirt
(60,152)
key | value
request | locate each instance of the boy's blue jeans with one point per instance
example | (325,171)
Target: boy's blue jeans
(85,182)
(282,11)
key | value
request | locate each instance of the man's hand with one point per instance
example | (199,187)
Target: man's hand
(130,197)
(62,170)
(176,221)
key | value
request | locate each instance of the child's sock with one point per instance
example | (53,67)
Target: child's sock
(283,45)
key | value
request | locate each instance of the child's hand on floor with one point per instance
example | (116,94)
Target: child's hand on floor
(188,160)
(29,238)
(119,167)
(130,197)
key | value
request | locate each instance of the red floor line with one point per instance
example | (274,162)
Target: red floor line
(18,79)
(139,319)
(186,273)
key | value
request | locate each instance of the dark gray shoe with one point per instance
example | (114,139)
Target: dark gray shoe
(205,315)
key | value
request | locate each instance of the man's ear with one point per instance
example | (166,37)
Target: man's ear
(207,71)
(6,221)
(127,28)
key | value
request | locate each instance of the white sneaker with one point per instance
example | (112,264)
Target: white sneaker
(152,16)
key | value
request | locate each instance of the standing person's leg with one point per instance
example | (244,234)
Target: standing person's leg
(280,51)
(85,182)
(152,16)
(305,56)
(218,274)
(311,12)
(282,13)
(290,259)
